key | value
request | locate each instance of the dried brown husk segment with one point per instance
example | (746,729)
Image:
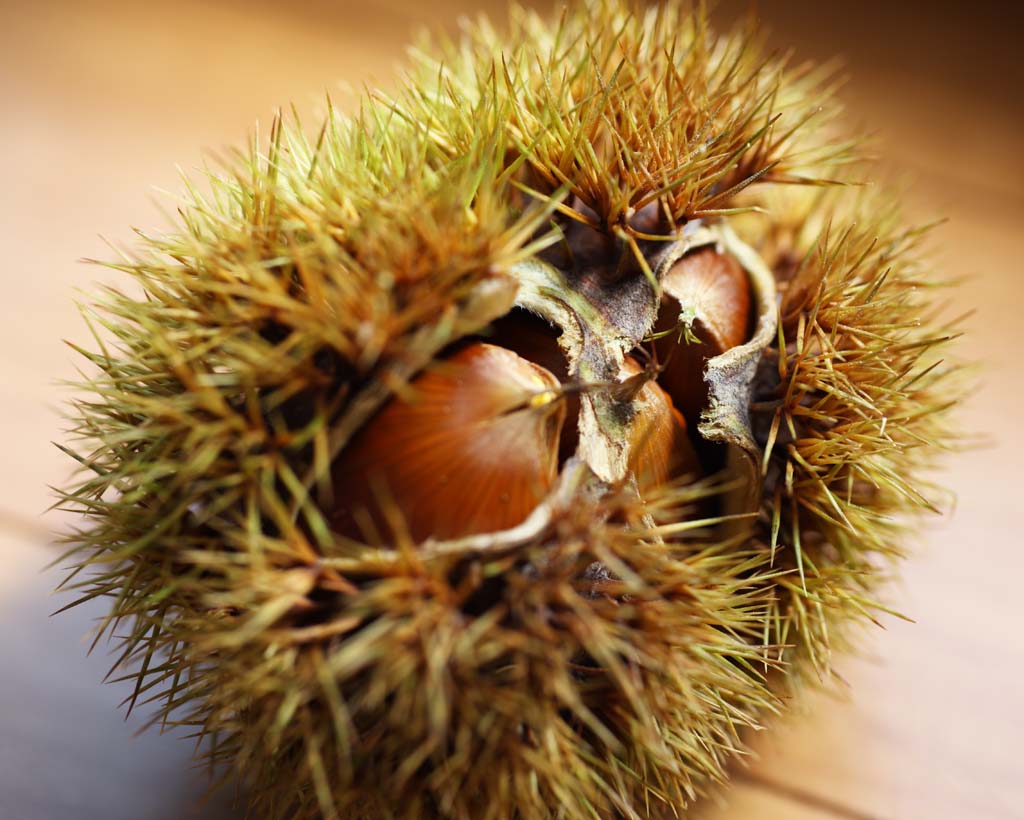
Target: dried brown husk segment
(730,380)
(596,337)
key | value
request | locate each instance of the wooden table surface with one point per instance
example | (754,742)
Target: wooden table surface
(101,98)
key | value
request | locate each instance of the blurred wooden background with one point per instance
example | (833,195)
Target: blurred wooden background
(100,99)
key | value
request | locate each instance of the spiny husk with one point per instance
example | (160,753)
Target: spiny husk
(480,686)
(850,407)
(608,662)
(624,111)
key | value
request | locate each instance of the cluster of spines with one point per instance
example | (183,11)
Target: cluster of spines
(616,111)
(852,409)
(502,685)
